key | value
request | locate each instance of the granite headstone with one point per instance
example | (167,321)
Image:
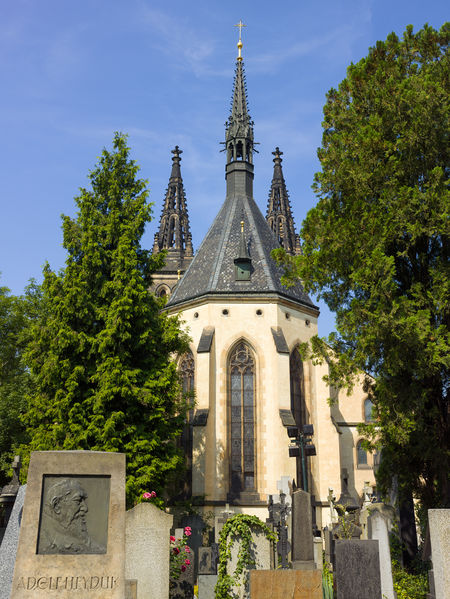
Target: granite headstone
(378,527)
(302,548)
(8,548)
(147,542)
(357,573)
(439,523)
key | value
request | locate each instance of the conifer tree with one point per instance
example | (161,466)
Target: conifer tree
(376,249)
(102,354)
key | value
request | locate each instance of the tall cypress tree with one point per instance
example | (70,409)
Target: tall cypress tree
(102,354)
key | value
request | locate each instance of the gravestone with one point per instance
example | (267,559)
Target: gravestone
(357,572)
(220,520)
(72,536)
(302,549)
(206,585)
(205,561)
(183,587)
(8,496)
(283,584)
(260,552)
(378,526)
(8,548)
(439,525)
(147,544)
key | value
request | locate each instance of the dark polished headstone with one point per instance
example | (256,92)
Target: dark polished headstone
(183,587)
(357,572)
(302,535)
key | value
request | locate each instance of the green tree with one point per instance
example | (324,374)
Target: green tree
(101,356)
(376,249)
(16,314)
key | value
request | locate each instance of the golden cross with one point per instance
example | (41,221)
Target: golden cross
(240,25)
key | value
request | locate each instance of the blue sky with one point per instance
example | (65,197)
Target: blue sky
(72,73)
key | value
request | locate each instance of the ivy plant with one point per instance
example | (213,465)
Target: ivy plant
(240,526)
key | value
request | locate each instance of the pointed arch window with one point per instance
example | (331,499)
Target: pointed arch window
(368,407)
(361,455)
(241,369)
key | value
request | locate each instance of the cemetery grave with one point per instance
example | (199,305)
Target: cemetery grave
(69,535)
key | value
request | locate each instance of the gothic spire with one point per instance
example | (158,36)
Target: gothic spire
(174,235)
(279,216)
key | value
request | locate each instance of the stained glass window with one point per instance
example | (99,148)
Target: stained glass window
(242,418)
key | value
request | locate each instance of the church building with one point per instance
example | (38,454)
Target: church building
(250,382)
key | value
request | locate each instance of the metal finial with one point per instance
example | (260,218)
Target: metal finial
(240,44)
(242,226)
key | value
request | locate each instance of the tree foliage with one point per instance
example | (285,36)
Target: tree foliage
(101,354)
(376,249)
(16,314)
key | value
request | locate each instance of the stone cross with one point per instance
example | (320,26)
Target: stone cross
(367,494)
(283,545)
(16,469)
(333,513)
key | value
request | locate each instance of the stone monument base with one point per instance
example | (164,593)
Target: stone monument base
(304,565)
(279,584)
(206,584)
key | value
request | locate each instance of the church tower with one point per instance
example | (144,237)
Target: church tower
(173,236)
(279,215)
(244,363)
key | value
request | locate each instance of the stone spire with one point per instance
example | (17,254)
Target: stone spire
(239,141)
(279,215)
(174,235)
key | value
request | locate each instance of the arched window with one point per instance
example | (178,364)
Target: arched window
(241,368)
(361,455)
(187,372)
(298,406)
(368,407)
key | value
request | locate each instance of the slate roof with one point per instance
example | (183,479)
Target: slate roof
(212,269)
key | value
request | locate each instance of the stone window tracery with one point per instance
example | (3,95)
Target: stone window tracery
(242,418)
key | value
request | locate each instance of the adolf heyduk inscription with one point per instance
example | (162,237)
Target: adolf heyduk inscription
(72,536)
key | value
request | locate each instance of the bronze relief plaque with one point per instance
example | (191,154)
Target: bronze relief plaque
(74,514)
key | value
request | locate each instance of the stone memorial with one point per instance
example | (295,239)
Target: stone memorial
(357,572)
(147,544)
(205,561)
(8,547)
(439,525)
(260,553)
(283,584)
(206,585)
(183,587)
(302,549)
(72,536)
(378,529)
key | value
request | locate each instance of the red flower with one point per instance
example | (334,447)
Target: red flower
(172,539)
(187,549)
(176,550)
(187,562)
(183,568)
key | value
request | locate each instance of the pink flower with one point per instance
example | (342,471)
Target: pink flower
(187,549)
(187,562)
(183,568)
(147,495)
(172,539)
(187,532)
(153,494)
(187,528)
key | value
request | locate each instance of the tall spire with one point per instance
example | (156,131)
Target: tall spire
(173,235)
(279,215)
(239,141)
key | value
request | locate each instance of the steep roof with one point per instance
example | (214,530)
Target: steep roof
(212,269)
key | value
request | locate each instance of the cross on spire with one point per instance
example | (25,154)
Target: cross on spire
(239,44)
